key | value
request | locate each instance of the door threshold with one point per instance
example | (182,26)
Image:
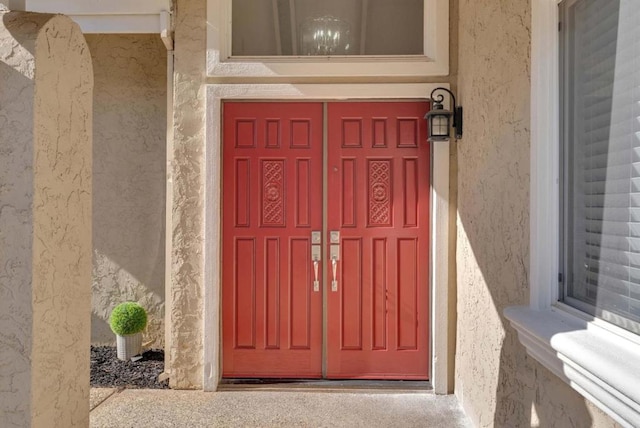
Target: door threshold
(323,385)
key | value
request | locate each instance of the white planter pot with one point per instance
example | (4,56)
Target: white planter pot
(129,346)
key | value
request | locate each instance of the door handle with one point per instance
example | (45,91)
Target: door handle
(316,283)
(334,253)
(334,268)
(316,251)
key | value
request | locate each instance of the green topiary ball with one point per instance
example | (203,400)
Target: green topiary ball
(128,318)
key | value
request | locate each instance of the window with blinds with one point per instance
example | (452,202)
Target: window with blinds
(600,116)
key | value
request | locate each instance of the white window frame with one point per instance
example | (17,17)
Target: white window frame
(434,62)
(598,359)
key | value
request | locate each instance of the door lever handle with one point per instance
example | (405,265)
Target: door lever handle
(334,254)
(316,283)
(334,268)
(316,251)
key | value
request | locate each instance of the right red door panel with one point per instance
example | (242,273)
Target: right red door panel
(378,176)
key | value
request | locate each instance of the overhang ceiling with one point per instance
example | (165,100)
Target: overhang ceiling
(110,16)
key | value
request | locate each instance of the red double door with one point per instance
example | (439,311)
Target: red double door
(325,249)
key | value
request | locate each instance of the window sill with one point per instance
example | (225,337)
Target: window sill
(322,67)
(598,363)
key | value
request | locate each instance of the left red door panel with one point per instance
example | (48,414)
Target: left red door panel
(272,201)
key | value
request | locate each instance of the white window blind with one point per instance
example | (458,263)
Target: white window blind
(601,135)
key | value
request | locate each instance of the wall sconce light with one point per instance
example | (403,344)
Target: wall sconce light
(439,120)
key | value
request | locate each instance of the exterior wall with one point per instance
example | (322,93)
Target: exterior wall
(45,221)
(496,382)
(129,156)
(16,225)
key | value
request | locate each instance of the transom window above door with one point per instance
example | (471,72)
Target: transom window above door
(330,27)
(330,38)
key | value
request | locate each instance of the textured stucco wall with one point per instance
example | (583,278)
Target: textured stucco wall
(497,384)
(185,352)
(16,224)
(129,157)
(45,221)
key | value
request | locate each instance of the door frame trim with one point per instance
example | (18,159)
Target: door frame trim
(442,330)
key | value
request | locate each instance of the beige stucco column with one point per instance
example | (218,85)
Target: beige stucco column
(46,88)
(187,177)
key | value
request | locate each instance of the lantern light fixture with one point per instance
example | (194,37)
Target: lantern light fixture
(439,120)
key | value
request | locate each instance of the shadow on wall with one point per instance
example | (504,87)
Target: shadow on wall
(100,328)
(499,380)
(129,163)
(496,382)
(16,221)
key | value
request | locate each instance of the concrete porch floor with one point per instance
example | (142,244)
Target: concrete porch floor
(273,408)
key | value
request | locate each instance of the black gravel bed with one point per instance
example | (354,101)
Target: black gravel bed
(107,371)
